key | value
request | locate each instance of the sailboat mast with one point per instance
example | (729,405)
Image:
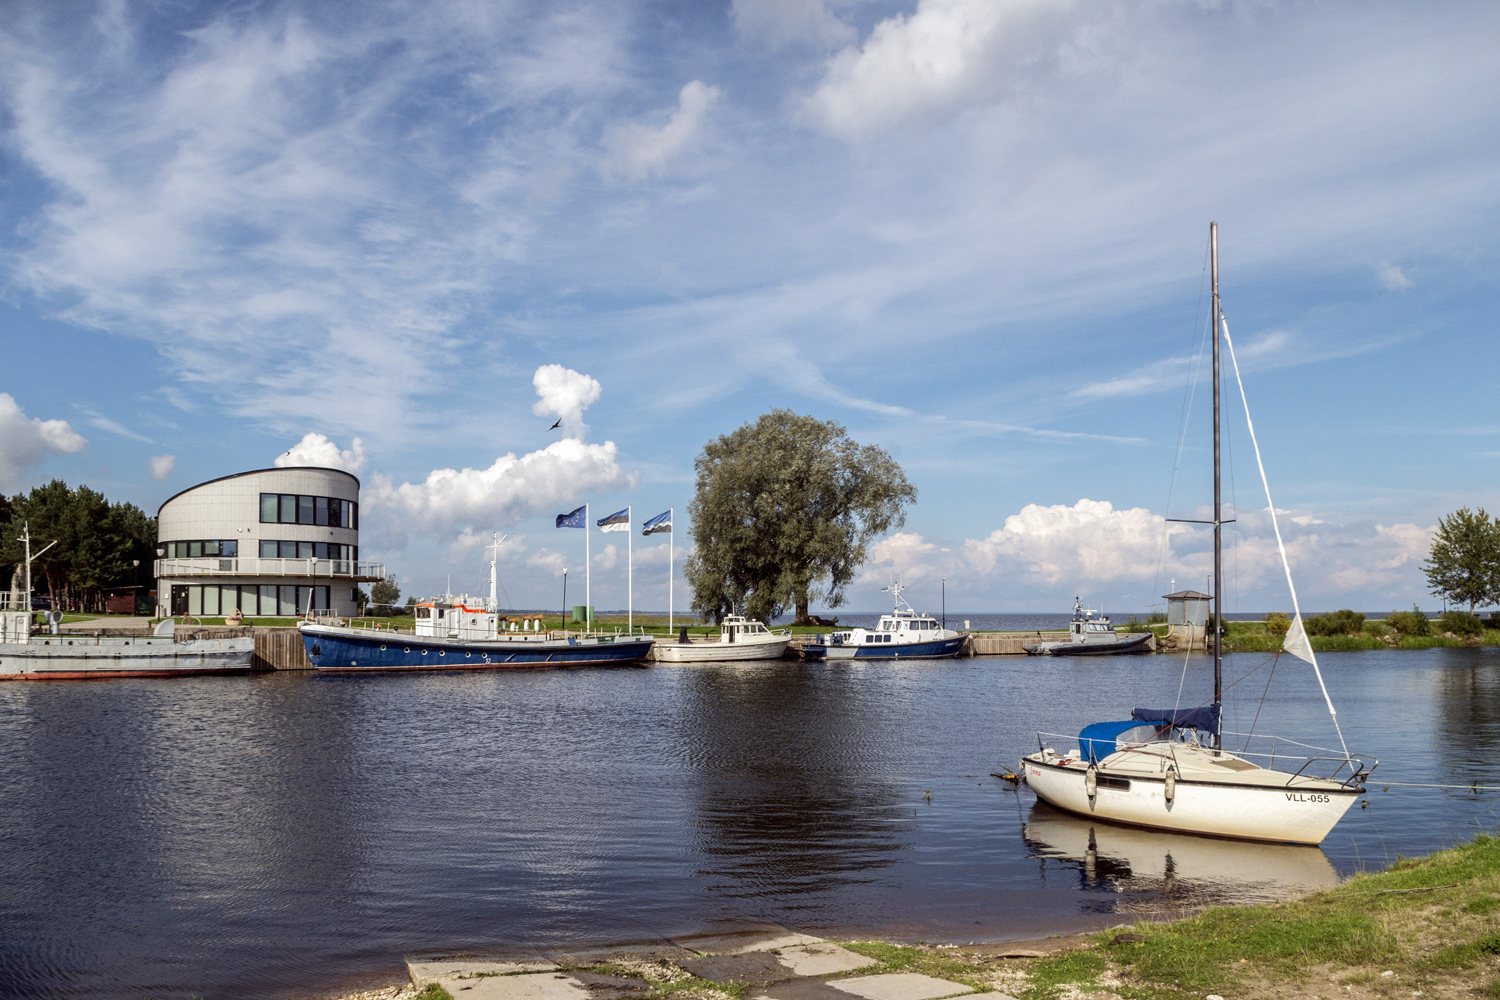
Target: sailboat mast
(1218,616)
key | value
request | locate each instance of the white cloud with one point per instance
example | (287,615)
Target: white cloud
(904,556)
(638,151)
(1392,277)
(509,491)
(942,54)
(548,561)
(470,541)
(317,450)
(789,22)
(26,442)
(565,394)
(162,466)
(1086,543)
(611,557)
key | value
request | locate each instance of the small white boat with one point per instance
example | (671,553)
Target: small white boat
(739,639)
(902,633)
(1091,636)
(1168,769)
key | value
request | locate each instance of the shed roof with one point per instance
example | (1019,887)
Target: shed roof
(1188,595)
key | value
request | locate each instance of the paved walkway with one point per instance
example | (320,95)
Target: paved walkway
(783,965)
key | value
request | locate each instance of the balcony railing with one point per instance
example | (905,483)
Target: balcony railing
(347,569)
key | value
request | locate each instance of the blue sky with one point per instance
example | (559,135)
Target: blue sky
(971,231)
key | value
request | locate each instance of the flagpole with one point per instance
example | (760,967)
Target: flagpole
(588,601)
(630,567)
(671,559)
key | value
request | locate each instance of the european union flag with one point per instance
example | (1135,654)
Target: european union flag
(661,522)
(574,519)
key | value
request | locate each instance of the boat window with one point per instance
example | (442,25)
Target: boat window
(424,612)
(871,638)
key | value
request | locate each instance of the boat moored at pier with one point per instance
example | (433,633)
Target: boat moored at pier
(1091,636)
(738,639)
(901,634)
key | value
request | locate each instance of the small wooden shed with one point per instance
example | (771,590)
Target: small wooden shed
(1187,607)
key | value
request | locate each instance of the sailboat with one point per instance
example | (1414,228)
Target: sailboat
(1168,769)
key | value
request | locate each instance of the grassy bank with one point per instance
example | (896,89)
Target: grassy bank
(1255,637)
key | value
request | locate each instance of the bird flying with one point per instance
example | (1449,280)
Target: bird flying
(556,425)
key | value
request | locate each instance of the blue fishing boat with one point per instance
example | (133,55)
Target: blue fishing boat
(463,634)
(902,634)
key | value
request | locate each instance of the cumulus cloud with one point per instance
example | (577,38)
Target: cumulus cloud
(547,561)
(25,442)
(638,151)
(789,22)
(611,557)
(470,541)
(944,53)
(509,491)
(317,450)
(565,394)
(1089,541)
(904,556)
(1392,277)
(162,466)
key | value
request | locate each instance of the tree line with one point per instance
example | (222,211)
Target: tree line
(100,545)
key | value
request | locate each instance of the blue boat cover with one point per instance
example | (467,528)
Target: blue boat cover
(1205,718)
(1097,741)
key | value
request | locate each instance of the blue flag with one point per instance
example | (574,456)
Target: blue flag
(572,520)
(661,522)
(618,521)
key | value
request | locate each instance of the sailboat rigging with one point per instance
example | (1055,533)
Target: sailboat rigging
(1155,769)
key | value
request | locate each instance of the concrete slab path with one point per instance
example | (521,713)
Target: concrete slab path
(899,986)
(424,972)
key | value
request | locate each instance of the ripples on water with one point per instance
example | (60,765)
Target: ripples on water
(287,834)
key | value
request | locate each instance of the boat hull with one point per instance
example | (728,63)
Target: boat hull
(333,648)
(1135,644)
(883,651)
(718,652)
(1284,814)
(61,658)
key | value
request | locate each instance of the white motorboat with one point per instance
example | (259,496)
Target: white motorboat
(1089,635)
(901,634)
(738,639)
(1168,768)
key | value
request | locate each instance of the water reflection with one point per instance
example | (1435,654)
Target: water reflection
(1469,705)
(784,800)
(1146,871)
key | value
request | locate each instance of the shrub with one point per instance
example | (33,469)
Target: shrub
(1156,618)
(1413,622)
(1377,629)
(1460,623)
(1277,623)
(1133,624)
(1341,622)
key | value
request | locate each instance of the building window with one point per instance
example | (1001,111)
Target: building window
(292,508)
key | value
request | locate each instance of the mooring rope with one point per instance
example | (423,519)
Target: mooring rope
(1424,784)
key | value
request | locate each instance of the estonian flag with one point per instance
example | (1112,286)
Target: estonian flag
(618,521)
(573,520)
(661,522)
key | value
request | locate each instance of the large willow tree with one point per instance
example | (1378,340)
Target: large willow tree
(784,511)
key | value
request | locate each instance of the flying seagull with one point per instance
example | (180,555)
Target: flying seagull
(556,425)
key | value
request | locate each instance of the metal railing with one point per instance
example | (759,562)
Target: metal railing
(1334,763)
(254,566)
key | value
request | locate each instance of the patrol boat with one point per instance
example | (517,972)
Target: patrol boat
(903,632)
(1090,636)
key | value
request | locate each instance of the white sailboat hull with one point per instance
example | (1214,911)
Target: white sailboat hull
(1299,812)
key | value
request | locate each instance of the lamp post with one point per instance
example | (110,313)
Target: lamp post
(945,602)
(565,599)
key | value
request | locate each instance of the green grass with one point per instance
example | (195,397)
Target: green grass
(933,962)
(1078,969)
(434,991)
(1367,922)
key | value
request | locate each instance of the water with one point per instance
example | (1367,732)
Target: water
(294,834)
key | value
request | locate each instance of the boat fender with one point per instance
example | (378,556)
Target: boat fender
(1091,781)
(1170,788)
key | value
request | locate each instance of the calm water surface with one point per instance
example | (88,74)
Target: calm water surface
(294,835)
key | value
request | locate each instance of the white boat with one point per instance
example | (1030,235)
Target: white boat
(28,657)
(1168,768)
(1091,636)
(738,639)
(902,633)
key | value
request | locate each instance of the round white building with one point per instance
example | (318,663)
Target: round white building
(273,542)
